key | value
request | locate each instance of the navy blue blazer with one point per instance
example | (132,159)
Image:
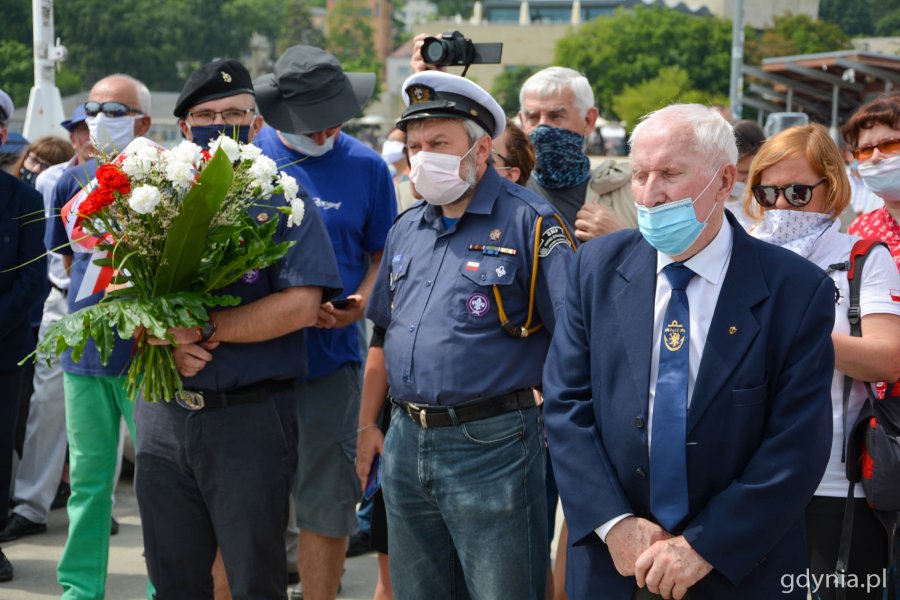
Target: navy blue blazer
(21,240)
(759,423)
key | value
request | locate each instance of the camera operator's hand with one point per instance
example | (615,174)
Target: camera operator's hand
(417,63)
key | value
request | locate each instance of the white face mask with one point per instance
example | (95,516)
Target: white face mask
(392,151)
(110,135)
(305,144)
(883,177)
(737,191)
(436,177)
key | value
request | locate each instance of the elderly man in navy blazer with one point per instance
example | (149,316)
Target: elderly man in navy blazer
(21,240)
(687,387)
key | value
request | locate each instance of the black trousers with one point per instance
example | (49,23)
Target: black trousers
(868,549)
(9,408)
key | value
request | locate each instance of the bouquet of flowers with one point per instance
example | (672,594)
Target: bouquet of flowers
(167,228)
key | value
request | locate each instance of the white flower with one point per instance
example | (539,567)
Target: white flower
(180,173)
(231,148)
(264,168)
(140,163)
(186,152)
(297,209)
(144,199)
(289,185)
(250,152)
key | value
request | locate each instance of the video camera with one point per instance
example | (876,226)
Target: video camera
(453,49)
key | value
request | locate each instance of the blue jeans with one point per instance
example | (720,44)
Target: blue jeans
(466,508)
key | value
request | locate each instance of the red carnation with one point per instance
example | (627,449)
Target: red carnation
(100,198)
(113,179)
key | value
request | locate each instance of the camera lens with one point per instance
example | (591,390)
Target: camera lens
(433,51)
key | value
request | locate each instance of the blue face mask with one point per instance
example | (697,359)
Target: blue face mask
(202,135)
(561,162)
(672,227)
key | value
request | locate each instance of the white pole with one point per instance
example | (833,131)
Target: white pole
(735,91)
(45,110)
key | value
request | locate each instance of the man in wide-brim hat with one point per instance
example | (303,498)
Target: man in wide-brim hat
(306,100)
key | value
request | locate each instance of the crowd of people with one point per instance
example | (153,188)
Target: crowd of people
(668,345)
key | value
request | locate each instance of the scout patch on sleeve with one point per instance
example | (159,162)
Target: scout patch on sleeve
(550,239)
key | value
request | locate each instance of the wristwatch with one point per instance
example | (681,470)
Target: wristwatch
(207,330)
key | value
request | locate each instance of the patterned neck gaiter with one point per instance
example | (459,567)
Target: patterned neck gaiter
(561,162)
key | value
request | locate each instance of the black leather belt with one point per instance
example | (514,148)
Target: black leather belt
(62,291)
(257,392)
(481,408)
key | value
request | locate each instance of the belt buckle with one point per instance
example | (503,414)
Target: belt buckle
(189,400)
(413,410)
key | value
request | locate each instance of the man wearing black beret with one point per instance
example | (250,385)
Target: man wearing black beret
(214,466)
(218,98)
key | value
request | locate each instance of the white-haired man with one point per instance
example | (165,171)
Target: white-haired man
(718,347)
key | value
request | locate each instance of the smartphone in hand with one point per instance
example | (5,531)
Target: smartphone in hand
(344,303)
(373,484)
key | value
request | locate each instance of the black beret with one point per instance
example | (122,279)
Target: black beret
(218,79)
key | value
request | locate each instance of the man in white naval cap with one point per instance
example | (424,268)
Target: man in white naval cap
(467,297)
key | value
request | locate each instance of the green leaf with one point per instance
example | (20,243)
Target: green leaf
(187,235)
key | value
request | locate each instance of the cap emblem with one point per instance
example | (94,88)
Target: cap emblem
(419,93)
(225,77)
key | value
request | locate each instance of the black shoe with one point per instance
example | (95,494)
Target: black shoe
(18,526)
(360,543)
(113,526)
(6,570)
(62,496)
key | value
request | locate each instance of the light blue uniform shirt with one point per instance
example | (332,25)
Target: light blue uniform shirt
(434,296)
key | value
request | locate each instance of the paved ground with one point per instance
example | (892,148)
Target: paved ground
(34,559)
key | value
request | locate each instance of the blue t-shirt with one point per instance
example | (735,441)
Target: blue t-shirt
(71,182)
(352,188)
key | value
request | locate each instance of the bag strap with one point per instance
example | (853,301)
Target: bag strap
(854,267)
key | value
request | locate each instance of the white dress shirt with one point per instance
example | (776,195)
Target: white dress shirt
(710,266)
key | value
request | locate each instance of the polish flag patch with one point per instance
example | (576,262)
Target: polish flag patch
(895,295)
(473,266)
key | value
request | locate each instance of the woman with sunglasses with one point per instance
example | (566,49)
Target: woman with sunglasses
(798,188)
(873,137)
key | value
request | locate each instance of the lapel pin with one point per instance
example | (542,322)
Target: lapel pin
(732,330)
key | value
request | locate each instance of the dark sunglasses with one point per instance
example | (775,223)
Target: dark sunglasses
(797,194)
(891,146)
(110,109)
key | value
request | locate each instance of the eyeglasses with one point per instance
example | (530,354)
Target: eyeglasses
(891,146)
(36,163)
(504,159)
(231,116)
(110,109)
(797,194)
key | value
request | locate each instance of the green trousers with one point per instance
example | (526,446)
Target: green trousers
(94,409)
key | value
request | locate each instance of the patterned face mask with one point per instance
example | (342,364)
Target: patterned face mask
(793,229)
(561,162)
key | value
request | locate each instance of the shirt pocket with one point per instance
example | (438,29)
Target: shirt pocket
(397,276)
(475,301)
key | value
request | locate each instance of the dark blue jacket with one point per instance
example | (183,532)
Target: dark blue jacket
(21,240)
(759,423)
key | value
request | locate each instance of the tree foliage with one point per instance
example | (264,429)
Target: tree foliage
(172,37)
(507,85)
(632,46)
(349,36)
(796,34)
(17,73)
(297,27)
(852,16)
(671,85)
